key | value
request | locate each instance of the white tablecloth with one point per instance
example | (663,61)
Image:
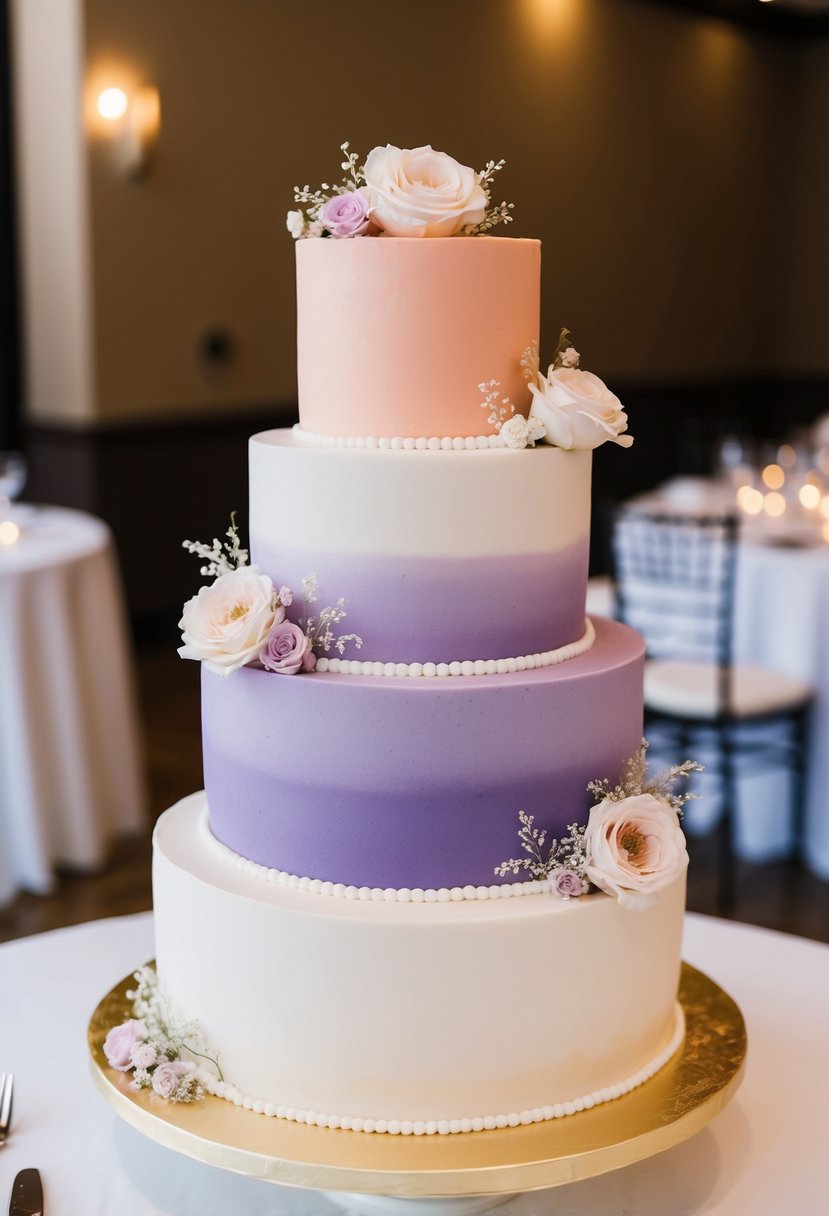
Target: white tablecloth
(765,1155)
(70,773)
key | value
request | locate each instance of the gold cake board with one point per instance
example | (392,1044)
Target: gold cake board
(693,1087)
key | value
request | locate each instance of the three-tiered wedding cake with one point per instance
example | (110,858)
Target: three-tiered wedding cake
(342,911)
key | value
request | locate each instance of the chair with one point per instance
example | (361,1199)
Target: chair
(675,579)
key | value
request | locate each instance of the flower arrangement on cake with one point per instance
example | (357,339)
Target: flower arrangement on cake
(240,618)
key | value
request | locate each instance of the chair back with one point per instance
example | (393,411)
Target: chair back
(674,576)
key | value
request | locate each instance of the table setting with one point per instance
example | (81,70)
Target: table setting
(70,767)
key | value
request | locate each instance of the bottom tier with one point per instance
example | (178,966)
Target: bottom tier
(412,1017)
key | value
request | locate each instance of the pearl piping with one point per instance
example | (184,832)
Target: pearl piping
(446,443)
(447,1127)
(477,667)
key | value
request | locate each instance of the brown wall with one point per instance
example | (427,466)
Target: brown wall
(649,148)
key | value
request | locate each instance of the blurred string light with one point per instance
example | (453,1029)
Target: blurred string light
(787,456)
(773,476)
(9,532)
(809,496)
(774,504)
(749,500)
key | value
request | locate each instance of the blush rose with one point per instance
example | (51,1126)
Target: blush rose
(578,410)
(635,847)
(225,625)
(421,192)
(346,215)
(287,650)
(119,1043)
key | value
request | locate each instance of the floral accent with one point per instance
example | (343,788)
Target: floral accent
(635,848)
(421,192)
(500,408)
(240,617)
(634,780)
(153,1045)
(120,1043)
(225,625)
(319,627)
(287,650)
(631,847)
(346,214)
(413,192)
(560,857)
(521,432)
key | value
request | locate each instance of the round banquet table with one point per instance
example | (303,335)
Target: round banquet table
(764,1155)
(70,770)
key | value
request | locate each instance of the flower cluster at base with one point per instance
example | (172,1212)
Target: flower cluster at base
(151,1044)
(240,618)
(631,846)
(571,408)
(412,192)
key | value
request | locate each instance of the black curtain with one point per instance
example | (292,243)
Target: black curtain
(10,427)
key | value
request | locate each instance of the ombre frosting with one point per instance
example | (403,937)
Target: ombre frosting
(440,556)
(386,783)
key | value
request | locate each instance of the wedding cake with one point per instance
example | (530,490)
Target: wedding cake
(398,907)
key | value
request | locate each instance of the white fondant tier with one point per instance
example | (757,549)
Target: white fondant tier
(441,556)
(424,1014)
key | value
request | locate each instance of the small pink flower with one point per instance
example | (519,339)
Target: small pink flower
(346,214)
(567,884)
(119,1043)
(285,649)
(167,1076)
(143,1055)
(285,597)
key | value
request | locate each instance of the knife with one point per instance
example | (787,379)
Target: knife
(27,1194)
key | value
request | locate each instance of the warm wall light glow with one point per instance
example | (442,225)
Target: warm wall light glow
(112,104)
(773,476)
(809,497)
(749,500)
(9,532)
(774,504)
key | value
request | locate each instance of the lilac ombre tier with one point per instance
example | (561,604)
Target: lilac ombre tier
(414,782)
(441,556)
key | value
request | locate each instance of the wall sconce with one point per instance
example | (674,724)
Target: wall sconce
(132,121)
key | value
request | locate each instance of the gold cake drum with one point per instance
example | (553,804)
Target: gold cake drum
(672,1106)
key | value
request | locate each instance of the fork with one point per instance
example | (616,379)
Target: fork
(6,1087)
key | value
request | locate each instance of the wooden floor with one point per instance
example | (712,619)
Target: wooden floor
(779,896)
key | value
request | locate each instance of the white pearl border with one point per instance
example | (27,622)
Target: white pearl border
(447,1127)
(403,895)
(435,443)
(469,667)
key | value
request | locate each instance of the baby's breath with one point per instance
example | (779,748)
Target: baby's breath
(499,213)
(222,556)
(567,853)
(634,781)
(319,627)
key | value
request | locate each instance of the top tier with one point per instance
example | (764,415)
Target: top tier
(396,334)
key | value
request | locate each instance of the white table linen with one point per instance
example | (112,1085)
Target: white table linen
(70,770)
(764,1155)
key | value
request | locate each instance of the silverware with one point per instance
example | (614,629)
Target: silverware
(27,1194)
(6,1087)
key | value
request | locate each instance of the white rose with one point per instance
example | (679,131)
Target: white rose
(521,432)
(578,410)
(295,223)
(225,625)
(635,847)
(420,192)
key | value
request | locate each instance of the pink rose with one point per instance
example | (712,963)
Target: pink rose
(567,884)
(287,649)
(167,1076)
(119,1043)
(346,214)
(635,847)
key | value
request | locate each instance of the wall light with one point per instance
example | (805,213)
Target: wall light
(132,121)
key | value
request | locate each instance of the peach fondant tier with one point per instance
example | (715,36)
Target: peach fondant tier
(441,556)
(395,334)
(339,1010)
(414,783)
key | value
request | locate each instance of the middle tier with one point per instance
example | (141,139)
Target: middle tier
(441,556)
(414,783)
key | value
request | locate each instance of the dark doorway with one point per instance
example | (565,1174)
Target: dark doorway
(10,427)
